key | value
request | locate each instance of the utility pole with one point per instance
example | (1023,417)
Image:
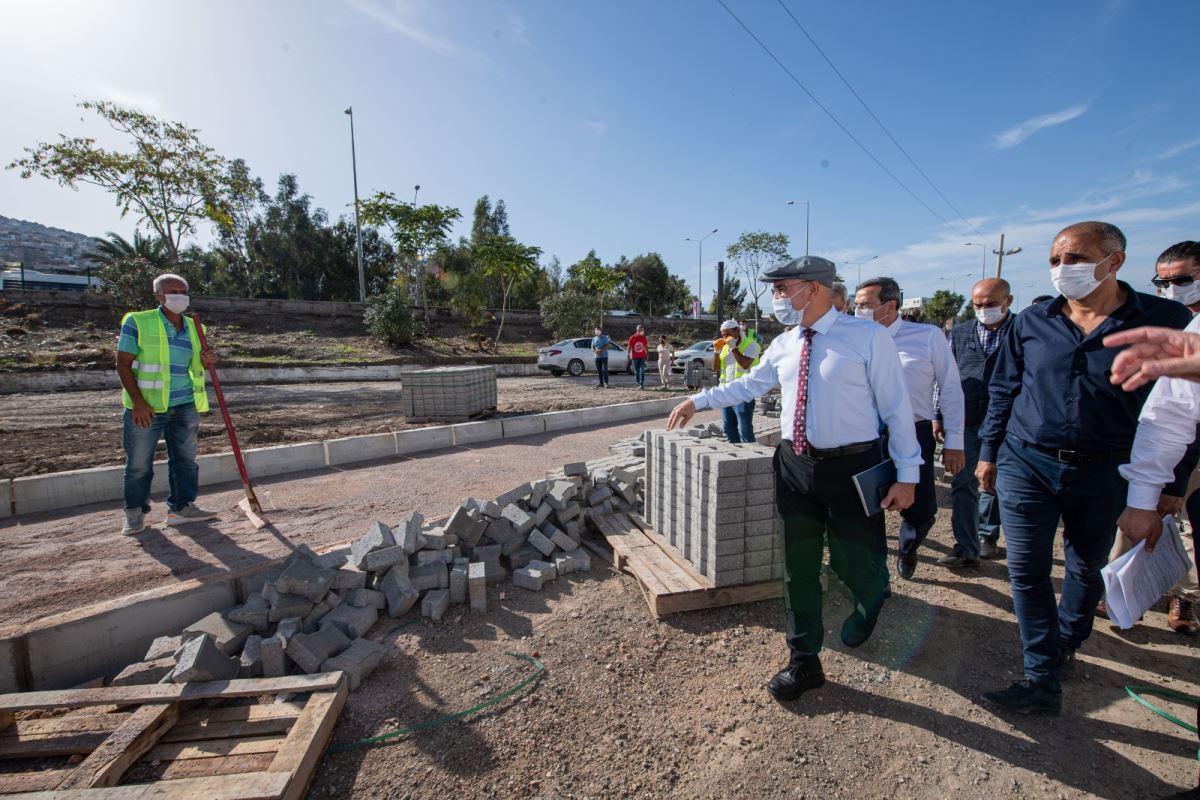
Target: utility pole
(1001,253)
(720,289)
(807,208)
(362,280)
(700,269)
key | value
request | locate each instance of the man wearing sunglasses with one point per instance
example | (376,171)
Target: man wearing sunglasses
(841,385)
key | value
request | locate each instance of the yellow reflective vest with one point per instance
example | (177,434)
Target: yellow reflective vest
(152,367)
(738,371)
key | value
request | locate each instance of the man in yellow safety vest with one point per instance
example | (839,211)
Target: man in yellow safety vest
(735,355)
(161,367)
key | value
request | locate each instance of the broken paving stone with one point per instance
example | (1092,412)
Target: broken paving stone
(353,621)
(200,659)
(429,576)
(538,492)
(144,672)
(250,664)
(346,579)
(162,647)
(273,663)
(358,661)
(305,580)
(308,650)
(489,556)
(366,598)
(435,603)
(381,560)
(598,496)
(518,518)
(514,496)
(289,605)
(539,542)
(227,636)
(334,559)
(399,591)
(435,539)
(489,509)
(255,612)
(424,557)
(377,537)
(408,532)
(522,556)
(288,628)
(575,469)
(576,560)
(502,532)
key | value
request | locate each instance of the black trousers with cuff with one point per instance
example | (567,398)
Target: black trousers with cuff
(917,520)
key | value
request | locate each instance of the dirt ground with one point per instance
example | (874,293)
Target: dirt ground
(633,707)
(75,430)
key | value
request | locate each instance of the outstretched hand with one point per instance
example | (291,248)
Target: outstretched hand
(681,415)
(1154,353)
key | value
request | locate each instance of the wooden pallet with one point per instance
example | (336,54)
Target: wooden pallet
(669,583)
(158,741)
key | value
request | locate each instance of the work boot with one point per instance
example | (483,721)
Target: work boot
(988,549)
(800,675)
(906,566)
(189,513)
(1026,697)
(135,522)
(1182,618)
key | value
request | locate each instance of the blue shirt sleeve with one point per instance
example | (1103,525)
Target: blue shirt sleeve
(1002,391)
(128,343)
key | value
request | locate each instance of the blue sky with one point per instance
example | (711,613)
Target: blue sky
(628,126)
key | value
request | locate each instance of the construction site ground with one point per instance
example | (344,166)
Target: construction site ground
(633,707)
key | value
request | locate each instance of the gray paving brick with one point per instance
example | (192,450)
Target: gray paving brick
(358,661)
(377,537)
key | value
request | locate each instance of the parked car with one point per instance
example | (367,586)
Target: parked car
(676,315)
(704,352)
(616,312)
(575,356)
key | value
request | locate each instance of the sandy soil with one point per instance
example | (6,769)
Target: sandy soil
(633,707)
(75,430)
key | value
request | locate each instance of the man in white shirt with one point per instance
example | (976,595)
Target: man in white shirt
(929,372)
(841,384)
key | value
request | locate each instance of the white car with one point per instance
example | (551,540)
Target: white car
(575,356)
(704,352)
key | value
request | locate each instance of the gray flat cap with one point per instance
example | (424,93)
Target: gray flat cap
(804,268)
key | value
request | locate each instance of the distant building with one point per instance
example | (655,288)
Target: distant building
(11,281)
(914,303)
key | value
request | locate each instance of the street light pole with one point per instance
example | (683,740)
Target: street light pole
(806,216)
(362,280)
(416,189)
(983,269)
(1001,253)
(700,268)
(954,281)
(860,266)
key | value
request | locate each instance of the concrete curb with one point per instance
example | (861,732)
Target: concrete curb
(93,379)
(61,490)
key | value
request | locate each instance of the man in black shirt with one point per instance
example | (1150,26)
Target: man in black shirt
(1056,430)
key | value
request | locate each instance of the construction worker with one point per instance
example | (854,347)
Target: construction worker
(735,355)
(161,368)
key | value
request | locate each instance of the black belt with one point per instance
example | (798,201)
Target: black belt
(1076,457)
(825,454)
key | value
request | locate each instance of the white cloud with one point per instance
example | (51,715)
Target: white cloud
(1019,133)
(1177,150)
(142,102)
(1140,185)
(399,19)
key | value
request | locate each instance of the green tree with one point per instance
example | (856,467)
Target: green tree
(753,253)
(651,288)
(116,248)
(601,279)
(566,314)
(942,306)
(165,174)
(506,261)
(735,296)
(389,317)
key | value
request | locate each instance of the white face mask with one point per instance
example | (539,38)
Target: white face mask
(1188,295)
(176,303)
(783,310)
(990,315)
(1077,281)
(862,312)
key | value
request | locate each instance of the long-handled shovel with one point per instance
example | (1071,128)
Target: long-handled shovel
(250,504)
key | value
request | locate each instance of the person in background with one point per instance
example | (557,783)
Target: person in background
(639,351)
(735,356)
(600,344)
(976,515)
(841,298)
(750,332)
(1055,434)
(162,377)
(666,356)
(1041,298)
(929,371)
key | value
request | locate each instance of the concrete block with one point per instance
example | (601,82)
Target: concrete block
(313,619)
(162,647)
(465,526)
(358,661)
(144,672)
(217,468)
(380,561)
(273,663)
(598,495)
(468,433)
(600,477)
(305,580)
(757,574)
(377,537)
(570,511)
(399,591)
(435,603)
(255,612)
(227,636)
(458,584)
(563,420)
(420,440)
(477,586)
(284,459)
(547,567)
(562,541)
(407,532)
(250,664)
(542,514)
(489,509)
(514,495)
(502,532)
(522,556)
(539,542)
(360,448)
(348,579)
(353,621)
(430,576)
(309,650)
(560,494)
(537,492)
(435,539)
(334,559)
(527,425)
(200,659)
(425,557)
(575,468)
(529,578)
(519,519)
(287,628)
(576,560)
(490,557)
(366,598)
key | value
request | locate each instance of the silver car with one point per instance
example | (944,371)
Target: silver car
(575,356)
(704,352)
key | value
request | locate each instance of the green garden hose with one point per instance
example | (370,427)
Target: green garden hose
(1136,693)
(539,670)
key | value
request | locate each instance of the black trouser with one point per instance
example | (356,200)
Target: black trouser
(816,497)
(917,519)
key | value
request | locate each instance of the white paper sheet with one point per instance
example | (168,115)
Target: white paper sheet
(1135,581)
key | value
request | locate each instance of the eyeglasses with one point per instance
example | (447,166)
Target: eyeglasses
(778,290)
(1182,280)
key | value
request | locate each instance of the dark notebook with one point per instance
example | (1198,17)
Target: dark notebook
(873,484)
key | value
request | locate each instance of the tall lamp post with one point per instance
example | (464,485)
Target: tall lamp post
(860,266)
(983,271)
(806,216)
(1001,253)
(700,266)
(362,280)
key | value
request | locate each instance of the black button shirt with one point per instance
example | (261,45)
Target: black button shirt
(1051,384)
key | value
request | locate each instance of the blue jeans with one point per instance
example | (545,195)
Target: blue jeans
(975,514)
(1035,491)
(180,426)
(639,371)
(739,423)
(602,371)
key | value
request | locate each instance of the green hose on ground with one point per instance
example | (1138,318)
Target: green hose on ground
(539,670)
(1136,693)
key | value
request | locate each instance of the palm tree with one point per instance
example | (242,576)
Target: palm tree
(117,248)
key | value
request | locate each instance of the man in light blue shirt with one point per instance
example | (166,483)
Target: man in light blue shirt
(600,344)
(841,385)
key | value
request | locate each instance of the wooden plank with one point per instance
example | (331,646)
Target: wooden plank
(46,747)
(6,720)
(30,729)
(233,721)
(122,749)
(215,748)
(671,553)
(299,754)
(169,693)
(44,780)
(199,768)
(716,598)
(251,786)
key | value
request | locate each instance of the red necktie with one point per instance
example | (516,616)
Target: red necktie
(800,443)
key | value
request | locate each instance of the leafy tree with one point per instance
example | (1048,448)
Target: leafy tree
(554,274)
(245,198)
(753,253)
(566,314)
(117,248)
(735,296)
(601,279)
(165,175)
(651,286)
(128,281)
(942,306)
(506,260)
(389,317)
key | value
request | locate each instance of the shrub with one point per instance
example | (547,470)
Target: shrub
(569,313)
(389,317)
(129,282)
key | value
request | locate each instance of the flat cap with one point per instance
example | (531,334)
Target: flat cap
(804,268)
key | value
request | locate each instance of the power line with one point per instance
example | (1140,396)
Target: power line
(838,122)
(878,121)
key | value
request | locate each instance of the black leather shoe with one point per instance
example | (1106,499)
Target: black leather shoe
(796,678)
(1066,664)
(1025,697)
(906,566)
(956,561)
(988,550)
(859,626)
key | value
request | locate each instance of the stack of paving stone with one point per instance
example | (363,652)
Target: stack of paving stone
(451,394)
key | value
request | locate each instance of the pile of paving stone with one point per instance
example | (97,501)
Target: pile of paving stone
(313,611)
